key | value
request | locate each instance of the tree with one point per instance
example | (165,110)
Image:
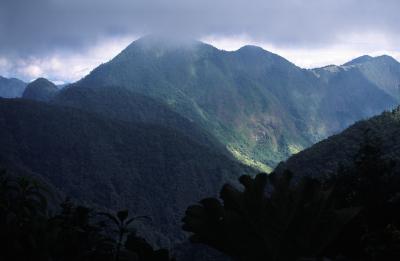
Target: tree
(271,219)
(29,232)
(121,222)
(372,182)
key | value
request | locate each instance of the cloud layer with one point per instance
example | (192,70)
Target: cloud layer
(42,28)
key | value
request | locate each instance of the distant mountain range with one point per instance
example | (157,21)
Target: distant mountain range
(339,151)
(166,123)
(261,107)
(11,88)
(40,89)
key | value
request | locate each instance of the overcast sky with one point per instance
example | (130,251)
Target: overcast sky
(64,39)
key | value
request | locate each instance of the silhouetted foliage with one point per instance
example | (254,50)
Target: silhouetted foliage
(374,183)
(269,220)
(352,215)
(113,164)
(23,213)
(29,232)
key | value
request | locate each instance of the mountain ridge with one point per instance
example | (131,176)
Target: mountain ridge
(259,105)
(325,158)
(40,89)
(11,87)
(147,168)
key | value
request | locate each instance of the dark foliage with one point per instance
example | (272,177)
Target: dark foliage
(363,163)
(122,104)
(327,157)
(113,164)
(269,219)
(374,183)
(40,89)
(78,233)
(352,215)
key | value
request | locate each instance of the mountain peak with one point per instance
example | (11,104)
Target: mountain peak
(11,87)
(359,60)
(251,48)
(41,80)
(254,50)
(386,58)
(367,58)
(163,41)
(40,89)
(160,44)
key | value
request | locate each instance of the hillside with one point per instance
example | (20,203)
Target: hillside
(125,105)
(148,169)
(383,71)
(326,157)
(11,88)
(260,106)
(40,89)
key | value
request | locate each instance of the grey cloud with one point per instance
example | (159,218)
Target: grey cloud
(30,27)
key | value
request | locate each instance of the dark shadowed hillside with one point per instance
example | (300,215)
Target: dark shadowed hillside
(125,105)
(326,157)
(11,88)
(148,169)
(40,89)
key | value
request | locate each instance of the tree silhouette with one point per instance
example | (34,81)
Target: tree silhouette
(374,183)
(271,219)
(121,222)
(23,215)
(76,233)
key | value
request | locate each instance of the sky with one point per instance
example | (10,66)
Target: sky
(63,40)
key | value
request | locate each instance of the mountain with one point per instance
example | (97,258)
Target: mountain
(359,60)
(11,88)
(125,105)
(148,169)
(339,151)
(350,96)
(383,71)
(260,106)
(40,89)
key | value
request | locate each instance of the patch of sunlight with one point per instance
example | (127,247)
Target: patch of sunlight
(248,161)
(293,148)
(171,102)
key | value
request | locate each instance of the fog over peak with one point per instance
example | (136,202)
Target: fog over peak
(35,32)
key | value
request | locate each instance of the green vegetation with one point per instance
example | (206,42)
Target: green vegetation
(114,164)
(251,100)
(124,105)
(350,212)
(163,124)
(76,233)
(383,71)
(353,215)
(327,157)
(248,161)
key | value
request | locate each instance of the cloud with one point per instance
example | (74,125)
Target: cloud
(63,66)
(51,29)
(340,52)
(47,25)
